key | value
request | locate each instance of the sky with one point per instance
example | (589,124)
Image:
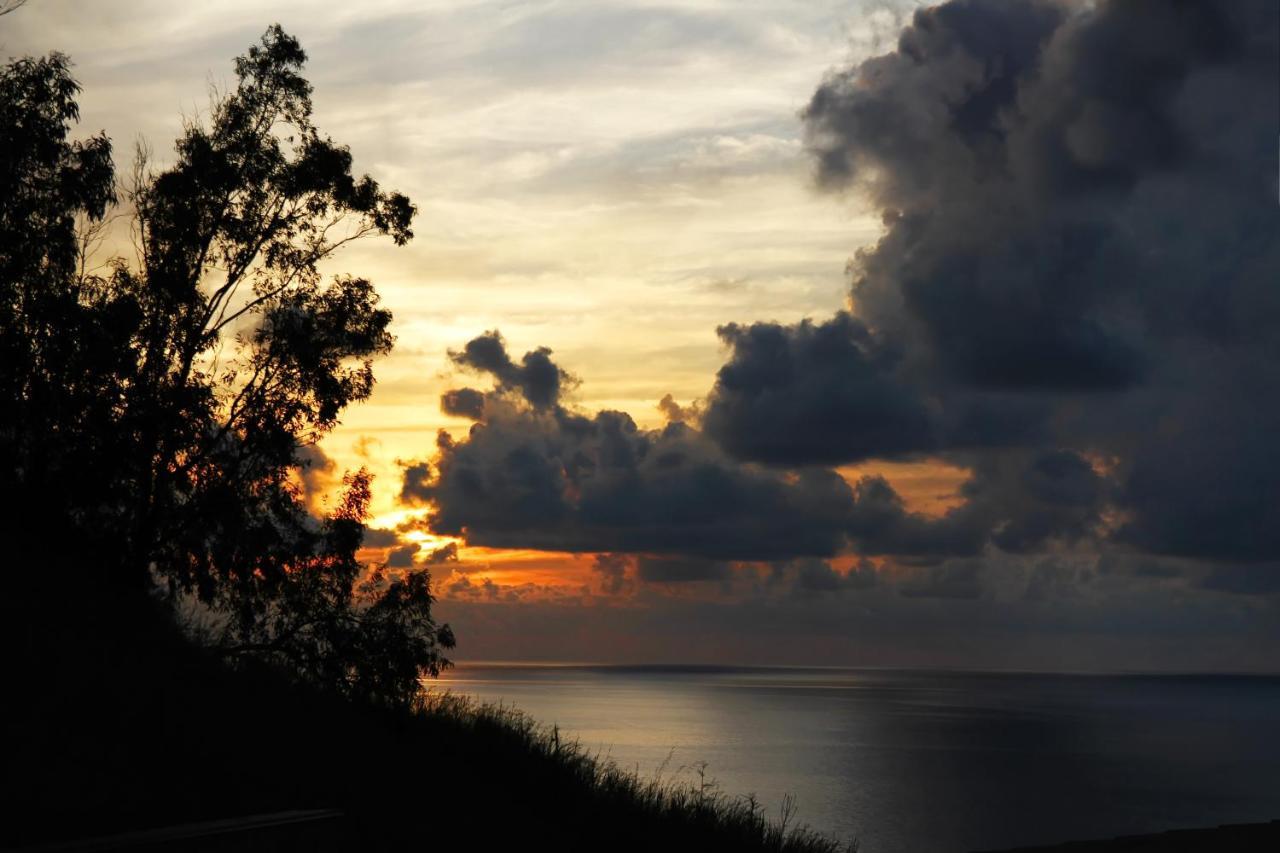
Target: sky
(839,333)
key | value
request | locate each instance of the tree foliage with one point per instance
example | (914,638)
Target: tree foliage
(156,416)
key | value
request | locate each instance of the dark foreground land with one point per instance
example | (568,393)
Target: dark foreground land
(323,831)
(115,724)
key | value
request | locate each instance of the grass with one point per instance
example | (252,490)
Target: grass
(697,808)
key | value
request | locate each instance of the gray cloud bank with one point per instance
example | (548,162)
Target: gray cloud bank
(1080,257)
(533,473)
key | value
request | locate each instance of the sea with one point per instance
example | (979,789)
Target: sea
(910,761)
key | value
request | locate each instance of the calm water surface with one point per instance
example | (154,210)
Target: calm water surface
(929,761)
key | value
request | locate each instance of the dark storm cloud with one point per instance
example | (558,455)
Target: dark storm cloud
(463,403)
(830,393)
(1204,483)
(1079,260)
(983,271)
(546,477)
(402,558)
(375,537)
(536,377)
(562,481)
(1019,501)
(415,482)
(813,577)
(681,570)
(447,553)
(882,525)
(1030,499)
(1039,169)
(813,394)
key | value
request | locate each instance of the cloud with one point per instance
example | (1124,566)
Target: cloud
(812,577)
(536,377)
(375,537)
(1202,484)
(545,477)
(960,579)
(1018,155)
(984,270)
(415,482)
(573,483)
(613,571)
(881,524)
(1033,177)
(316,472)
(681,570)
(813,394)
(463,587)
(447,553)
(463,402)
(678,414)
(532,475)
(402,557)
(1017,501)
(1078,263)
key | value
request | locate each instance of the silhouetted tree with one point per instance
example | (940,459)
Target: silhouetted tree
(64,356)
(157,414)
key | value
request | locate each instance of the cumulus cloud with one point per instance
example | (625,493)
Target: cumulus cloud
(534,474)
(813,394)
(375,537)
(415,482)
(447,553)
(543,476)
(536,378)
(1078,262)
(402,557)
(809,577)
(676,413)
(463,402)
(1022,160)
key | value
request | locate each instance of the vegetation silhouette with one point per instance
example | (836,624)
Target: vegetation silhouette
(156,417)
